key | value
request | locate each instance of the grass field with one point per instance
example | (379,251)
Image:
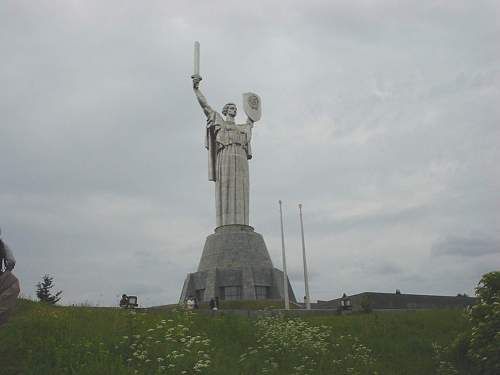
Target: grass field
(41,339)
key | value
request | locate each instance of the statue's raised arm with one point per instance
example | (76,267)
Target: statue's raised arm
(201,98)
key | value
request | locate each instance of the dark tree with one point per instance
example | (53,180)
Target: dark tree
(43,291)
(485,318)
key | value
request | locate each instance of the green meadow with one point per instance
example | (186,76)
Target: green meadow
(42,339)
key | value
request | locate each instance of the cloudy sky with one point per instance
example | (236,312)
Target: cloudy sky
(380,117)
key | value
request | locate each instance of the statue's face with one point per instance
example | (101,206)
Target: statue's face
(231,110)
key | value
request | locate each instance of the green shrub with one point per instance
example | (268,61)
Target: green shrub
(484,345)
(164,345)
(295,346)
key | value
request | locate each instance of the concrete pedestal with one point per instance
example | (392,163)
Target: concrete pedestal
(235,264)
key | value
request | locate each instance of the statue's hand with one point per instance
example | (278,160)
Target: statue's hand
(196,81)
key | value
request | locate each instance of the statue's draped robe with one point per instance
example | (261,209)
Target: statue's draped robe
(228,153)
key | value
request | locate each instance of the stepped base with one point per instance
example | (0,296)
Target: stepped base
(235,265)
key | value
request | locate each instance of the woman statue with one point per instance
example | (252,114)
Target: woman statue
(229,149)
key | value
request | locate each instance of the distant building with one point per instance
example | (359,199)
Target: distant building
(398,301)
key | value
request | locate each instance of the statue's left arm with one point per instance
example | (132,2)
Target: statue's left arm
(249,124)
(249,127)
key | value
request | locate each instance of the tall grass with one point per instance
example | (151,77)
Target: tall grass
(41,339)
(402,341)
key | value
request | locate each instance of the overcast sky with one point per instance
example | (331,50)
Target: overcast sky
(381,117)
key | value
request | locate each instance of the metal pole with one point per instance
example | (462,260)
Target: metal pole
(306,278)
(285,277)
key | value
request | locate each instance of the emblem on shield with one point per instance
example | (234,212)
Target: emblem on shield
(252,106)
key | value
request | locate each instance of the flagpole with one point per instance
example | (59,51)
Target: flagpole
(306,278)
(285,277)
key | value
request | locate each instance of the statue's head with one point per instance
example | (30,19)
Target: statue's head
(229,110)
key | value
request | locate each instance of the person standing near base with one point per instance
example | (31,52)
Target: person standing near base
(190,303)
(213,305)
(9,284)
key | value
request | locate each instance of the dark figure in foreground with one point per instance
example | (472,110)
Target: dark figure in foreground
(9,285)
(124,301)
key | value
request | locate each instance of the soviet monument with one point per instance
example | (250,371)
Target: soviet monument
(235,263)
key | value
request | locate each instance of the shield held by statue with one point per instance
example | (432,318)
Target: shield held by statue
(252,106)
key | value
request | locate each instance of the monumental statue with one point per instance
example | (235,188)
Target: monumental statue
(9,285)
(229,149)
(235,263)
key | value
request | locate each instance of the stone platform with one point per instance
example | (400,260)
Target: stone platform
(235,265)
